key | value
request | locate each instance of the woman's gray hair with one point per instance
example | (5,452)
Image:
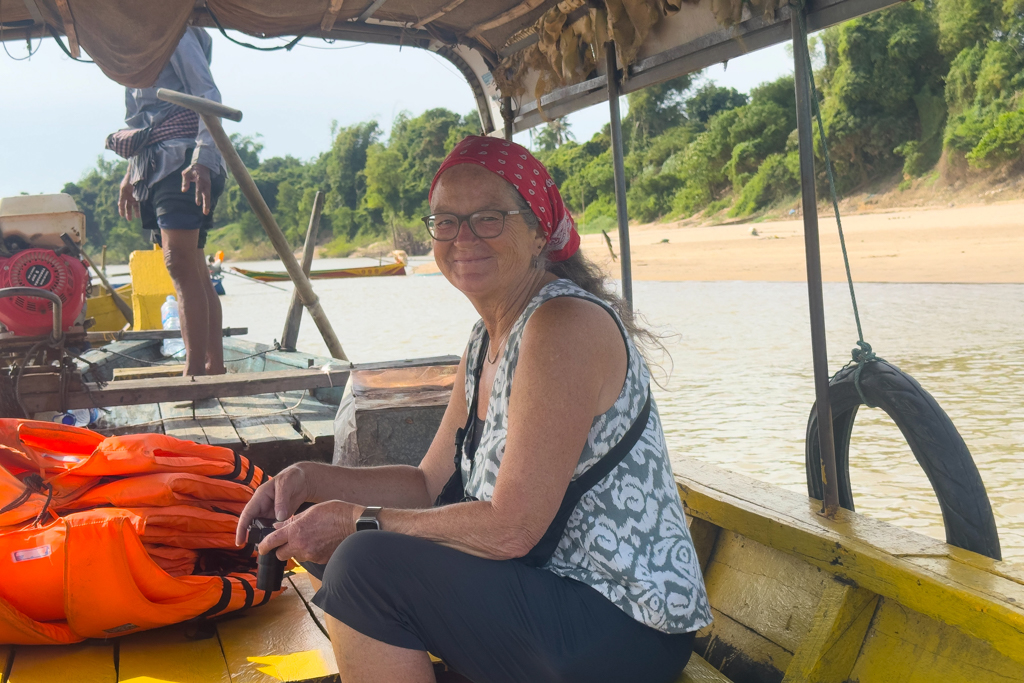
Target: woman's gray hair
(586,274)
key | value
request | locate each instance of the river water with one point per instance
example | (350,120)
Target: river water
(737,388)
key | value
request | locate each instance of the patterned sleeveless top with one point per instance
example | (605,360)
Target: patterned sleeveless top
(627,537)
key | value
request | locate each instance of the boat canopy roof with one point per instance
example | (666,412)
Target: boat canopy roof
(527,61)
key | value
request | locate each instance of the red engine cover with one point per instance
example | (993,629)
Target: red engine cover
(61,274)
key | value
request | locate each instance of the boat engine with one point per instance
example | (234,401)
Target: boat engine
(61,274)
(35,256)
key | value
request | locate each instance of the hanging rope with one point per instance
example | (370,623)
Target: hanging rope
(287,46)
(56,37)
(863,353)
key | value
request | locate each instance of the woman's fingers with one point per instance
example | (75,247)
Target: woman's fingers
(278,498)
(289,492)
(260,505)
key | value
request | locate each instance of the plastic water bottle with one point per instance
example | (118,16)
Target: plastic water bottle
(170,320)
(80,417)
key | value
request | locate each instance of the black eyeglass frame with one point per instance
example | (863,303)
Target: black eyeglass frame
(468,220)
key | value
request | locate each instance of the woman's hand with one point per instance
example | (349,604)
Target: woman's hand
(314,534)
(277,499)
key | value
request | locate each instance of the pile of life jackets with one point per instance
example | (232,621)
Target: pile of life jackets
(105,536)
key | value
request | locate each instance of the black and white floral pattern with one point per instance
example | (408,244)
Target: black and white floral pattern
(627,538)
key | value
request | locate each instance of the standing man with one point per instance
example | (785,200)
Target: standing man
(175,176)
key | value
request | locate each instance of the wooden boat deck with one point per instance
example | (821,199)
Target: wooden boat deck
(272,429)
(796,597)
(284,640)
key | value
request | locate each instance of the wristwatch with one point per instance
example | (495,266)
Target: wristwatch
(368,520)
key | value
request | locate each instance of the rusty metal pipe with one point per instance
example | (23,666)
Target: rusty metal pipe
(58,332)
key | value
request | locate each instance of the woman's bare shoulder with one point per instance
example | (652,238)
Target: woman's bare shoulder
(578,323)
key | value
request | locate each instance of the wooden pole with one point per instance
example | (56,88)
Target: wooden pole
(812,249)
(211,113)
(619,172)
(120,303)
(293,320)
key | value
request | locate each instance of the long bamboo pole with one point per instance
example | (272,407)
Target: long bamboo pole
(292,321)
(812,249)
(211,112)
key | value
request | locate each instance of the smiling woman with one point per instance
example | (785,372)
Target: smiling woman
(556,548)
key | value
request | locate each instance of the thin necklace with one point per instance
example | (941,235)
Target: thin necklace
(497,351)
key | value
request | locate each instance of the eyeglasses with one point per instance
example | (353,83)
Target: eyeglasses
(444,227)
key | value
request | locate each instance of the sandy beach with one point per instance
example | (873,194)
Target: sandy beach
(964,244)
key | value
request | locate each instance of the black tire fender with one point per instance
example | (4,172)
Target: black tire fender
(931,435)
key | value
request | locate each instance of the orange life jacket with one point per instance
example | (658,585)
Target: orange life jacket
(105,536)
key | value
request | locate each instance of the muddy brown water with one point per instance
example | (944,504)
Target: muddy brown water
(738,388)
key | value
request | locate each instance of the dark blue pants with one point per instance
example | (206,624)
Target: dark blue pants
(492,621)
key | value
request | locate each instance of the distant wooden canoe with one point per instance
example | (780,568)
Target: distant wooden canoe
(370,271)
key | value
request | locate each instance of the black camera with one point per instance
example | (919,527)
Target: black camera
(270,572)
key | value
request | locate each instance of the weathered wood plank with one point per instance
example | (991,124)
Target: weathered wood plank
(903,646)
(259,420)
(277,642)
(407,363)
(315,420)
(117,355)
(180,423)
(150,371)
(876,556)
(166,654)
(91,662)
(130,335)
(699,671)
(216,424)
(279,360)
(140,419)
(133,392)
(302,582)
(841,621)
(704,535)
(740,653)
(764,589)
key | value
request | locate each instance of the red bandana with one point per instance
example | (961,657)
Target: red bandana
(515,164)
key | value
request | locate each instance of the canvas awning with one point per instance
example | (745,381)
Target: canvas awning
(526,60)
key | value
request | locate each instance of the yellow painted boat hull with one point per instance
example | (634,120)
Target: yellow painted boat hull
(102,309)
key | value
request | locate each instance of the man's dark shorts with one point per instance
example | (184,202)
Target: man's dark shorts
(169,208)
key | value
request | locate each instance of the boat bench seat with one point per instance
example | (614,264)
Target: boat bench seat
(699,671)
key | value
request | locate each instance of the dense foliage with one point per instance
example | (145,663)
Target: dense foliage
(899,90)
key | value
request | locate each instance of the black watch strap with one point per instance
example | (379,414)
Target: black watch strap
(368,520)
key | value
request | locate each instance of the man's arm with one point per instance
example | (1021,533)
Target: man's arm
(191,66)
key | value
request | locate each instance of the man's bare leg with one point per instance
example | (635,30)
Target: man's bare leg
(215,320)
(180,247)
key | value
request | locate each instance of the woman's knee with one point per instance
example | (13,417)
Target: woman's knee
(366,557)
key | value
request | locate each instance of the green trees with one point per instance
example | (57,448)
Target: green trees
(96,194)
(899,89)
(984,85)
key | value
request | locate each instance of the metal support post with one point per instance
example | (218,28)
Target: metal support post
(619,170)
(813,254)
(507,117)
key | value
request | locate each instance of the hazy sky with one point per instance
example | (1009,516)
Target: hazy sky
(55,113)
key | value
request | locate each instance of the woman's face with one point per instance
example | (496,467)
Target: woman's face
(484,267)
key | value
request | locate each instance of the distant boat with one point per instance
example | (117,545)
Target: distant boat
(370,271)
